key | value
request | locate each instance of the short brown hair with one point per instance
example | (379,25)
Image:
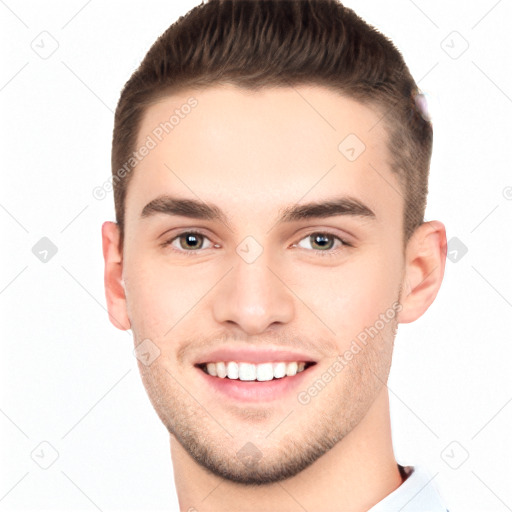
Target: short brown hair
(269,43)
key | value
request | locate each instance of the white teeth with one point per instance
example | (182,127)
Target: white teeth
(264,371)
(221,370)
(212,369)
(251,372)
(279,370)
(246,371)
(232,370)
(291,369)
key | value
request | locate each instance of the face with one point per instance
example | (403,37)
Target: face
(263,277)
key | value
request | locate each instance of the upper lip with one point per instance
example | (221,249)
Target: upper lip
(253,355)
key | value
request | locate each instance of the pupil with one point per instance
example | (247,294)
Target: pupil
(191,237)
(322,239)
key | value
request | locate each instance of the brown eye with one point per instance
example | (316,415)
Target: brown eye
(323,243)
(188,242)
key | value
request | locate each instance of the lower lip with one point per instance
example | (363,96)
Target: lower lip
(255,391)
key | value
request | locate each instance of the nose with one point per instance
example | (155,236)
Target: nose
(253,296)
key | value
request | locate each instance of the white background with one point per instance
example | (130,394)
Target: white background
(69,378)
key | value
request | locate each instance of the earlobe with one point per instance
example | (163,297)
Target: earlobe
(424,270)
(113,277)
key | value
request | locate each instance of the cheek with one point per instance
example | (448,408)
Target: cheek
(160,295)
(351,297)
(151,299)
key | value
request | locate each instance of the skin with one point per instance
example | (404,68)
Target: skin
(251,154)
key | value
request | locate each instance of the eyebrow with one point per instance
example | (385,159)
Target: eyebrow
(194,209)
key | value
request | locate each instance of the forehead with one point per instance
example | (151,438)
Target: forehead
(261,149)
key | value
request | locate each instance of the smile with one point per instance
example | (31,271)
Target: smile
(254,372)
(248,382)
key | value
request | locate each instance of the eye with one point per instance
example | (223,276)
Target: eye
(188,242)
(323,242)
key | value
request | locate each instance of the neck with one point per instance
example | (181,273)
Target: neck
(355,474)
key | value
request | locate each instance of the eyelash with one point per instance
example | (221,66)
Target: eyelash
(328,253)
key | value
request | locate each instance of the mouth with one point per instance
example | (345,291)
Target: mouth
(249,372)
(250,382)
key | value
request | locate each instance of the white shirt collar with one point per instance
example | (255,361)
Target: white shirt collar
(418,493)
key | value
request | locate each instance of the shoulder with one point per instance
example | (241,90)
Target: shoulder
(417,493)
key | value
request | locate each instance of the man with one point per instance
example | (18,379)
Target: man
(270,164)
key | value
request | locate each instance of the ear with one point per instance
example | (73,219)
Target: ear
(425,259)
(114,286)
